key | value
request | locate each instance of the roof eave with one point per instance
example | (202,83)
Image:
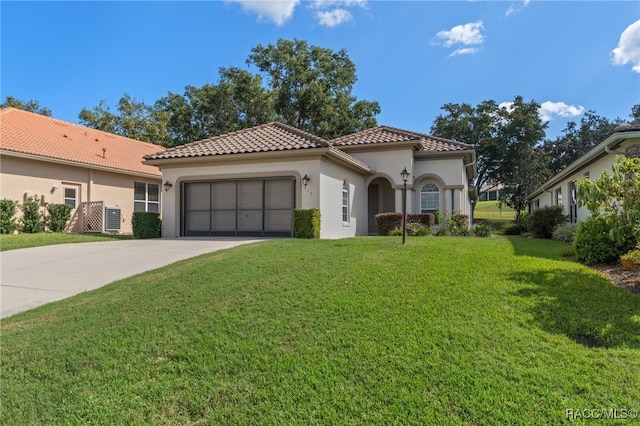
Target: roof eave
(596,153)
(4,152)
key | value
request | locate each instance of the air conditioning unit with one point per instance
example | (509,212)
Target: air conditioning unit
(112,218)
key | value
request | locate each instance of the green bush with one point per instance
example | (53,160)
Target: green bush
(59,215)
(542,221)
(565,232)
(306,223)
(146,225)
(8,222)
(516,229)
(483,231)
(32,220)
(387,222)
(417,229)
(593,242)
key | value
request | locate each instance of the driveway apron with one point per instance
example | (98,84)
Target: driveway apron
(35,276)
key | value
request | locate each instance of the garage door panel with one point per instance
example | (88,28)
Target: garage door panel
(278,220)
(250,194)
(249,220)
(278,194)
(197,221)
(223,220)
(223,195)
(198,196)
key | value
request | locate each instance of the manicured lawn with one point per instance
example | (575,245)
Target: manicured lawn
(444,330)
(490,213)
(18,241)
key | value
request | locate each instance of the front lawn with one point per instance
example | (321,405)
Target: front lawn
(443,330)
(19,241)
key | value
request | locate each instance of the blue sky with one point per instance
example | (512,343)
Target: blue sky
(411,56)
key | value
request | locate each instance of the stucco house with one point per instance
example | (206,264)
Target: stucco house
(560,190)
(247,183)
(100,175)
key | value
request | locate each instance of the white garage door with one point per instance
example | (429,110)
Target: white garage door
(248,207)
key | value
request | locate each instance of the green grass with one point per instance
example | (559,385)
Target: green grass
(490,213)
(443,330)
(19,241)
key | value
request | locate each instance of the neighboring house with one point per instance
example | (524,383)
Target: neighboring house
(560,190)
(490,192)
(248,183)
(100,175)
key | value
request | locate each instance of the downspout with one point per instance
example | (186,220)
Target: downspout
(611,151)
(473,202)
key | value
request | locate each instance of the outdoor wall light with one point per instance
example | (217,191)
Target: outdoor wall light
(167,185)
(305,180)
(53,188)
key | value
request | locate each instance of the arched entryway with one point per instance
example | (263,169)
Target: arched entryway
(381,199)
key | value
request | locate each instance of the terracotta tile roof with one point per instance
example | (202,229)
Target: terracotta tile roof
(264,138)
(386,134)
(34,134)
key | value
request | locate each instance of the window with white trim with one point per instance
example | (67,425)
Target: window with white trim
(71,196)
(429,198)
(345,202)
(146,197)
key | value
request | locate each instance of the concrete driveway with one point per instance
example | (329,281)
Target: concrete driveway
(34,276)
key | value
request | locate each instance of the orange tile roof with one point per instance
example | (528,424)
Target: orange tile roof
(387,134)
(263,138)
(34,134)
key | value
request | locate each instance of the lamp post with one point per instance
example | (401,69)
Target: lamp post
(404,174)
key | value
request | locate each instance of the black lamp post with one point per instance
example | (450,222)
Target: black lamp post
(404,174)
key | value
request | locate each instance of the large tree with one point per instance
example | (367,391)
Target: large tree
(308,87)
(524,166)
(135,120)
(504,137)
(31,105)
(312,88)
(577,139)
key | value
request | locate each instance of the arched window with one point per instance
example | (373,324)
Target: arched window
(429,198)
(345,201)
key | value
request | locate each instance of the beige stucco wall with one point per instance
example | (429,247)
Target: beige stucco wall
(332,178)
(306,198)
(450,177)
(20,176)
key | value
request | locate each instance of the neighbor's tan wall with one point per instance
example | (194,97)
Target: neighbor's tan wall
(19,176)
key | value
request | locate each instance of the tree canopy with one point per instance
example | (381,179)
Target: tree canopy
(31,105)
(308,87)
(505,139)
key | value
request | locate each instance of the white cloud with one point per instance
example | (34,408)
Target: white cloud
(628,49)
(325,4)
(467,34)
(334,17)
(550,109)
(279,11)
(513,9)
(463,51)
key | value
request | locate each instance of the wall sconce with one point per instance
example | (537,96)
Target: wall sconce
(53,188)
(305,180)
(167,186)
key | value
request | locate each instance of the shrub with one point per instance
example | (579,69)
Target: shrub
(542,221)
(483,231)
(593,242)
(146,225)
(395,232)
(458,224)
(631,260)
(32,220)
(516,229)
(306,223)
(417,229)
(564,232)
(387,222)
(59,215)
(8,222)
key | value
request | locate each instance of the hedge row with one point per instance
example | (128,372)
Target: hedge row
(387,222)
